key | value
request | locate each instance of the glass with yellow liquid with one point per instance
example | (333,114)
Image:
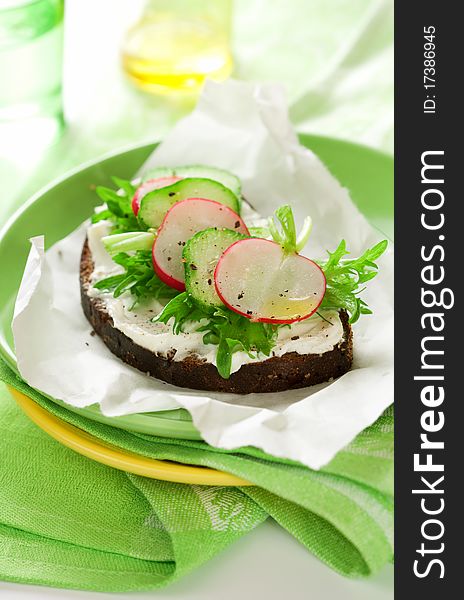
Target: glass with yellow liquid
(31,44)
(177,44)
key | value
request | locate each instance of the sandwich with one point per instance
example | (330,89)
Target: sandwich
(184,281)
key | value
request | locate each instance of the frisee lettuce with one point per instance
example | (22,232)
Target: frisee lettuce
(138,278)
(283,229)
(229,331)
(118,206)
(346,278)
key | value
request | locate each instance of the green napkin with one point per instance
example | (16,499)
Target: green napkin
(66,521)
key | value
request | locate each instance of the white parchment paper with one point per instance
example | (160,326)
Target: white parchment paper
(243,128)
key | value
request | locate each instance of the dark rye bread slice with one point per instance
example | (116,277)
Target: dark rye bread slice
(292,370)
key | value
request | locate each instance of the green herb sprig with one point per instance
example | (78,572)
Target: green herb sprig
(138,278)
(346,279)
(230,331)
(283,229)
(119,206)
(128,242)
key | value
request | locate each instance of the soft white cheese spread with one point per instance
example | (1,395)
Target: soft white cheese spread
(315,335)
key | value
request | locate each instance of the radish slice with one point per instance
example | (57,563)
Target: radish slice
(257,279)
(149,186)
(183,220)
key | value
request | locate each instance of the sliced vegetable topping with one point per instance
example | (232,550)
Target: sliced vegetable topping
(201,255)
(239,290)
(181,222)
(229,180)
(259,280)
(155,204)
(149,186)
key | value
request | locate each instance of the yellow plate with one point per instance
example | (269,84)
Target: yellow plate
(90,446)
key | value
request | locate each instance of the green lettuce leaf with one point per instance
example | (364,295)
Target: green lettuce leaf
(230,331)
(346,279)
(119,206)
(139,278)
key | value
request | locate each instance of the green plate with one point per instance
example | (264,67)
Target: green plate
(62,206)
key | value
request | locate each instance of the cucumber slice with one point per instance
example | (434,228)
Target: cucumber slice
(228,180)
(155,204)
(158,172)
(201,254)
